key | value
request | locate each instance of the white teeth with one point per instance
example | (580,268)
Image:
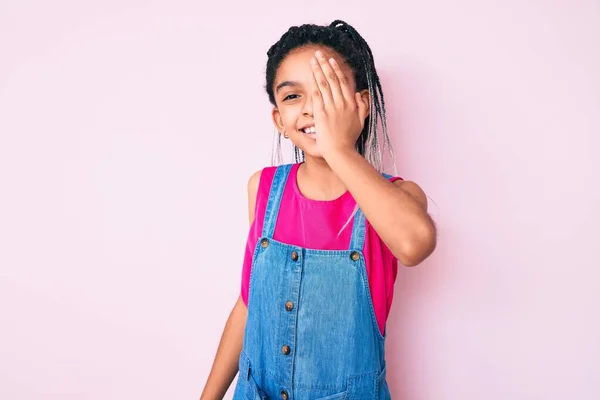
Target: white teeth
(310,130)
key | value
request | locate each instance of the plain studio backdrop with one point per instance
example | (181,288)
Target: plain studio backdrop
(128,131)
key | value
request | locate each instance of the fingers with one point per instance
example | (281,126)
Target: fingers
(317,98)
(343,81)
(331,78)
(331,88)
(322,82)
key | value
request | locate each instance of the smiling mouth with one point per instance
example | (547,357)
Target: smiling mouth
(310,130)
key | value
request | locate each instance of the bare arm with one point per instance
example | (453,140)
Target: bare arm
(397,211)
(225,365)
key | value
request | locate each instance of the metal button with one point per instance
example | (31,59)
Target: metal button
(284,395)
(355,256)
(285,350)
(294,256)
(289,306)
(264,243)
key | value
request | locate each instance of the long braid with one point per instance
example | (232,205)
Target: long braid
(375,153)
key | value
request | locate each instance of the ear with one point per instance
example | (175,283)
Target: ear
(363,103)
(365,96)
(277,120)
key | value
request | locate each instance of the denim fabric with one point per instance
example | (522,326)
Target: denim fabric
(311,331)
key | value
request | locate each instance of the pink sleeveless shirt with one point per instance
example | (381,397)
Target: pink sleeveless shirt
(315,224)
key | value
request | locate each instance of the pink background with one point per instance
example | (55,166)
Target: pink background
(128,130)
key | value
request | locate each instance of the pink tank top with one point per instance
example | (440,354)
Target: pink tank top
(315,224)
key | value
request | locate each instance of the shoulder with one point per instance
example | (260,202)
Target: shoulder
(253,183)
(257,181)
(255,186)
(262,178)
(259,185)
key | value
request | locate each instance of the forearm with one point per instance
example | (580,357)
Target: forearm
(399,219)
(225,365)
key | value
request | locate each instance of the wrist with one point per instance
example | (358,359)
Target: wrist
(340,156)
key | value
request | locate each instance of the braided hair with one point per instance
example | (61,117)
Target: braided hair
(347,42)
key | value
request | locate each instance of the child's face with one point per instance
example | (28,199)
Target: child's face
(293,111)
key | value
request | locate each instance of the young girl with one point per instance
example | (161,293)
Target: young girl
(326,233)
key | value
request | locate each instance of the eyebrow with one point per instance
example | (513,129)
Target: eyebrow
(284,84)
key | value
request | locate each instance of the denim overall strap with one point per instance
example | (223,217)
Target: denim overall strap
(276,193)
(357,241)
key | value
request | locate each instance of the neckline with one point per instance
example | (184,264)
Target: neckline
(294,176)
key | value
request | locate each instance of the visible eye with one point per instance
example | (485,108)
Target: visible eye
(290,97)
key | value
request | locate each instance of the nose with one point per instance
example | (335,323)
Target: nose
(307,108)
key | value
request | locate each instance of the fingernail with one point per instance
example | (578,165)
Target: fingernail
(313,61)
(332,61)
(319,54)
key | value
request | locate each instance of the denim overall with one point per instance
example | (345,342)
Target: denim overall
(311,331)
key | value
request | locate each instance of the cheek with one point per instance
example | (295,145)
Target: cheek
(290,115)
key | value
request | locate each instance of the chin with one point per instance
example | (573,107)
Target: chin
(310,150)
(313,154)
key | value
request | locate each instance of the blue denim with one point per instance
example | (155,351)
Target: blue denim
(311,331)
